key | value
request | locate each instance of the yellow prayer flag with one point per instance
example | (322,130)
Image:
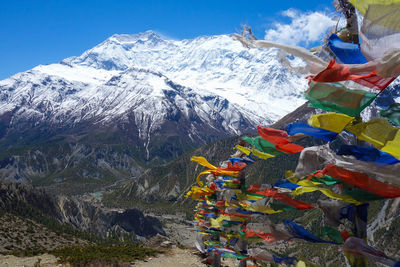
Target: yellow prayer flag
(362,5)
(334,122)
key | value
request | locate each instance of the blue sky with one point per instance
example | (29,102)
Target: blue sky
(42,32)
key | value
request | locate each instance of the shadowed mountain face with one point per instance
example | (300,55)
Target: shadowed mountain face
(31,203)
(132,102)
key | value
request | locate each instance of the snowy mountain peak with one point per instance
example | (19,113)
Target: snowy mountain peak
(211,84)
(148,38)
(129,38)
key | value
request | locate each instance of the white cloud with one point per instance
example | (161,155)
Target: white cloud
(304,28)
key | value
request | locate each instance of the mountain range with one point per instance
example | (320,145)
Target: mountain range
(136,101)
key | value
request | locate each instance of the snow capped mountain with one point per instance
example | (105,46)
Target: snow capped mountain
(217,64)
(137,100)
(129,73)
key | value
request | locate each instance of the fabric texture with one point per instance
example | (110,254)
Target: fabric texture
(392,113)
(380,133)
(300,127)
(263,145)
(337,98)
(357,246)
(315,158)
(380,30)
(275,194)
(279,138)
(369,154)
(299,232)
(362,181)
(334,122)
(347,53)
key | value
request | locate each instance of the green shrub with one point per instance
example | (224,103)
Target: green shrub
(109,254)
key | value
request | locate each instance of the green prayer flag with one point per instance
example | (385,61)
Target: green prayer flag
(349,190)
(392,114)
(281,206)
(337,98)
(263,145)
(333,234)
(325,180)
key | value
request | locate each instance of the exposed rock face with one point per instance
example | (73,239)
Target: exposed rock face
(99,221)
(19,198)
(66,161)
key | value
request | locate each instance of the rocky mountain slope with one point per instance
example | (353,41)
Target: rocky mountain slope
(60,212)
(19,234)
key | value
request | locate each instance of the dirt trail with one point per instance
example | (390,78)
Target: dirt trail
(173,258)
(46,260)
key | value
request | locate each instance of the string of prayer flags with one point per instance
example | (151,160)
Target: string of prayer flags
(352,176)
(389,64)
(351,194)
(267,230)
(332,233)
(198,193)
(232,171)
(377,131)
(253,206)
(253,152)
(233,165)
(335,72)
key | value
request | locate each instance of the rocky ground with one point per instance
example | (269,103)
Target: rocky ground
(18,233)
(173,258)
(178,229)
(45,260)
(177,245)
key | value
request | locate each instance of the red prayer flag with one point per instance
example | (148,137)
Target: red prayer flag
(362,181)
(335,73)
(268,192)
(339,72)
(279,138)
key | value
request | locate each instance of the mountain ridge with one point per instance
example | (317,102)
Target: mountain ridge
(158,98)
